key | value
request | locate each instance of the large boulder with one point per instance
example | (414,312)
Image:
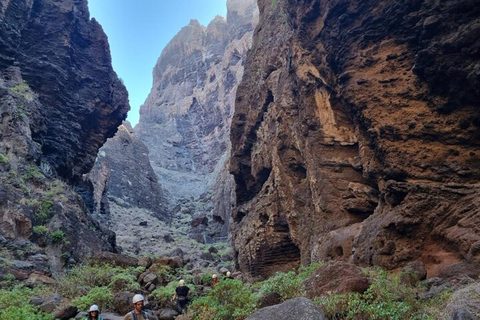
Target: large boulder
(336,277)
(122,302)
(66,313)
(115,259)
(297,308)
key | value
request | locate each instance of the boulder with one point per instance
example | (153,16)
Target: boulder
(172,262)
(413,272)
(168,314)
(336,277)
(66,313)
(223,270)
(51,303)
(145,262)
(297,308)
(36,279)
(150,278)
(122,302)
(114,259)
(269,299)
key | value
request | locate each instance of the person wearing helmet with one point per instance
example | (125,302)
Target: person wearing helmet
(215,280)
(229,275)
(93,313)
(181,293)
(137,313)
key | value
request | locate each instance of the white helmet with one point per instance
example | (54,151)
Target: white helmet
(228,274)
(94,307)
(181,283)
(137,298)
(214,276)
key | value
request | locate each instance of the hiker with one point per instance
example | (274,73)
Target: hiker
(215,280)
(229,275)
(93,313)
(181,293)
(137,313)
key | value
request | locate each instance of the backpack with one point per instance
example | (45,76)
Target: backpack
(134,315)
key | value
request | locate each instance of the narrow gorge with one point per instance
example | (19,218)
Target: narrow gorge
(287,134)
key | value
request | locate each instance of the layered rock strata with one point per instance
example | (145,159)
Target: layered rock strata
(59,101)
(64,58)
(185,120)
(355,137)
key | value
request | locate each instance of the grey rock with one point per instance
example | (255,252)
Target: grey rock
(463,314)
(81,315)
(167,314)
(297,308)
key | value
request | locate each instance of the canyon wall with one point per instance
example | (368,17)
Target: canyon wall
(59,100)
(185,121)
(356,137)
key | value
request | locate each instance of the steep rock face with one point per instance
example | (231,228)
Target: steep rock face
(124,185)
(41,218)
(59,101)
(64,58)
(185,119)
(355,136)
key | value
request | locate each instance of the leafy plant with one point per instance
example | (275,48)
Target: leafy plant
(57,236)
(386,298)
(45,212)
(23,90)
(15,305)
(163,294)
(40,230)
(4,159)
(124,282)
(82,278)
(102,296)
(33,173)
(227,300)
(286,284)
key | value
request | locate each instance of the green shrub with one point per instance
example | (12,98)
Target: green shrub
(40,231)
(82,278)
(228,300)
(45,212)
(286,284)
(33,173)
(124,282)
(57,236)
(162,271)
(4,159)
(163,294)
(386,298)
(15,304)
(101,296)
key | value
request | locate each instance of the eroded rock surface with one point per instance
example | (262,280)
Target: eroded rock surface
(355,136)
(59,101)
(64,58)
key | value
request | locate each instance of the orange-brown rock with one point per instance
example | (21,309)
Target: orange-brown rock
(356,136)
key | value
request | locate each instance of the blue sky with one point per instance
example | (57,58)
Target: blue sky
(138,30)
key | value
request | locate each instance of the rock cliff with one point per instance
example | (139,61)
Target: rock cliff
(127,196)
(59,101)
(64,58)
(355,136)
(185,121)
